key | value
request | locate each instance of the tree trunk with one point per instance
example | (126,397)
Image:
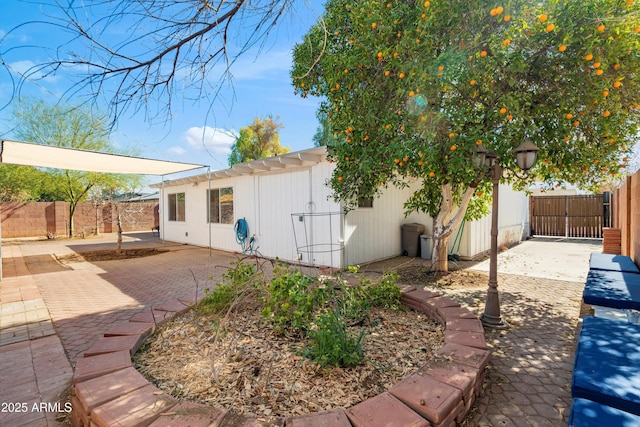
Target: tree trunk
(445,223)
(97,205)
(119,224)
(72,211)
(439,257)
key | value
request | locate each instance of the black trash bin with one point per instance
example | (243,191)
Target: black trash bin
(411,239)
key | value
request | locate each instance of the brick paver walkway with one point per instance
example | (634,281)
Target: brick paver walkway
(528,379)
(529,374)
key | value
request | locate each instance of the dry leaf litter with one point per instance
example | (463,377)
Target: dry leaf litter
(249,370)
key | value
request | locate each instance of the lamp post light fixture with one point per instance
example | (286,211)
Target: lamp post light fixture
(526,156)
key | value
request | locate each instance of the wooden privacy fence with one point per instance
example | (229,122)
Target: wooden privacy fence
(569,216)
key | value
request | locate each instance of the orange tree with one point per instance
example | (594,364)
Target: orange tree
(412,87)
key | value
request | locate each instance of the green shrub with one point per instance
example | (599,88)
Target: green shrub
(385,293)
(331,344)
(290,301)
(234,283)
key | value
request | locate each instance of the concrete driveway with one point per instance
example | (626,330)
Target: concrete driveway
(548,258)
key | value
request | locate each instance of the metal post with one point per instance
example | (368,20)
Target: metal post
(491,317)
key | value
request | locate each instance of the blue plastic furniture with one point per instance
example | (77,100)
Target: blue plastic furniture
(585,413)
(613,289)
(607,364)
(613,263)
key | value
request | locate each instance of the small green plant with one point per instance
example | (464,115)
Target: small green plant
(234,283)
(385,293)
(331,344)
(290,301)
(323,309)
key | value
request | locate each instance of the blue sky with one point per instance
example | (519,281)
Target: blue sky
(198,132)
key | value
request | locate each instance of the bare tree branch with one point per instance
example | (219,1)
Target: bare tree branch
(140,54)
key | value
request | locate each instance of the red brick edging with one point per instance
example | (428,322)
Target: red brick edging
(108,391)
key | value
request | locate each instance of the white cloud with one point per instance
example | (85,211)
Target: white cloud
(176,150)
(30,70)
(212,140)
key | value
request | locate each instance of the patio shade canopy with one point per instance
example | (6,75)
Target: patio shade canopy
(29,154)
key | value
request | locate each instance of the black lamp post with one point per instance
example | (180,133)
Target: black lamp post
(526,156)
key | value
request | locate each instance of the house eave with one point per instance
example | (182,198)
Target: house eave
(297,159)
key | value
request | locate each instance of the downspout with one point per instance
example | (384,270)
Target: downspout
(209,205)
(162,228)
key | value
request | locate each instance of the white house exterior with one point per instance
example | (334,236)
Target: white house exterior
(291,215)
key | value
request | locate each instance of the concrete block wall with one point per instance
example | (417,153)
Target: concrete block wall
(37,219)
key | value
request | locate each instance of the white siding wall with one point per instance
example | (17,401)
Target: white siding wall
(513,224)
(375,233)
(267,200)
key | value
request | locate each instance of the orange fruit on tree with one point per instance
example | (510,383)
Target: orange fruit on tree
(599,72)
(636,30)
(616,66)
(617,84)
(503,110)
(412,94)
(507,18)
(478,142)
(386,73)
(542,18)
(588,57)
(452,134)
(453,148)
(483,53)
(472,82)
(440,67)
(432,174)
(427,3)
(596,65)
(401,75)
(396,160)
(405,158)
(550,28)
(562,48)
(606,114)
(339,179)
(374,25)
(605,93)
(506,42)
(420,163)
(576,123)
(600,28)
(509,117)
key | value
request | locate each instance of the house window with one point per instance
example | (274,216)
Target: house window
(365,202)
(220,205)
(176,206)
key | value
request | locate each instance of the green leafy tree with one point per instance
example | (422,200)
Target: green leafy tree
(60,126)
(324,135)
(256,141)
(415,87)
(22,184)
